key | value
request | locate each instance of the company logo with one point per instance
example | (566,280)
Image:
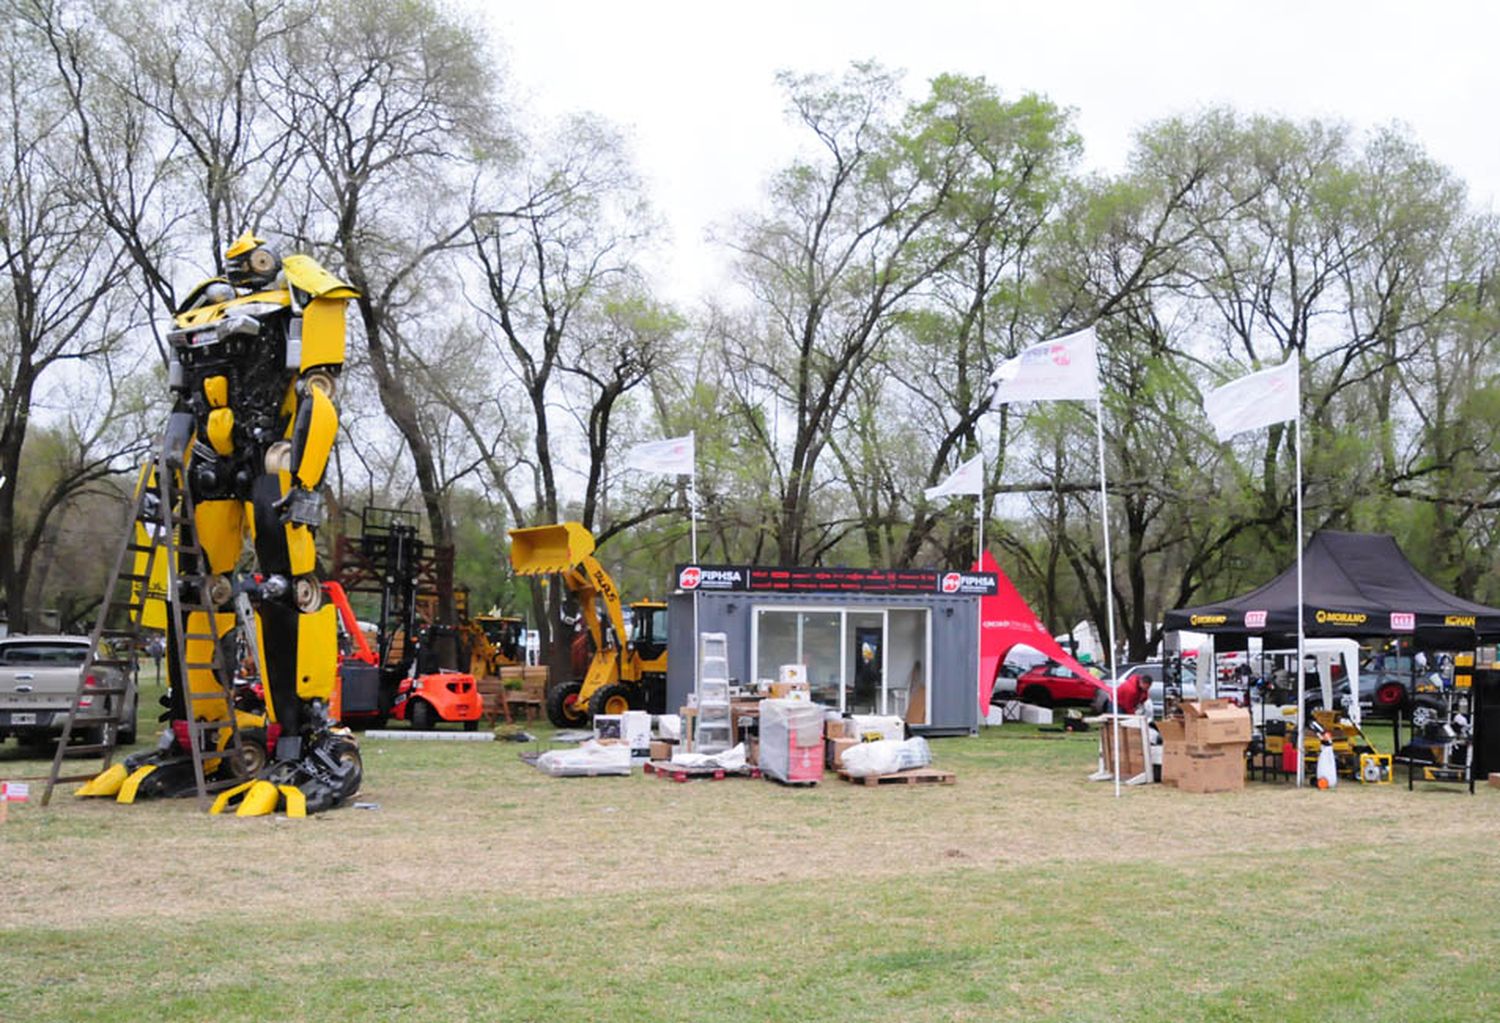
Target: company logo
(1340,617)
(1255,619)
(1208,619)
(950,582)
(1461,621)
(1059,355)
(1403,621)
(690,577)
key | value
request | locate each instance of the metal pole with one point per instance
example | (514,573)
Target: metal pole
(1301,637)
(1109,597)
(693,493)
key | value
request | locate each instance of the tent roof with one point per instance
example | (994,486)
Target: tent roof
(1354,584)
(1007,621)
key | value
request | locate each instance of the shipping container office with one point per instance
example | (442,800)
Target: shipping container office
(905,654)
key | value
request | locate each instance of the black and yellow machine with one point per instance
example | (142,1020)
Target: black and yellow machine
(255,362)
(628,667)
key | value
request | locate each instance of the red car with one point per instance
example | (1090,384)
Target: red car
(1050,685)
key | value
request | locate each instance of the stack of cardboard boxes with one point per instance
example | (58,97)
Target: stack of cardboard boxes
(1204,750)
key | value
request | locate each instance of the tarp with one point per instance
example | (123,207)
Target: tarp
(1354,584)
(1006,621)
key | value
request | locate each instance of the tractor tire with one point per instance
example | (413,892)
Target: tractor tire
(421,715)
(616,699)
(1039,696)
(563,709)
(348,753)
(254,755)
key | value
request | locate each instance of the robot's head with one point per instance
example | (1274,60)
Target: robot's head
(248,263)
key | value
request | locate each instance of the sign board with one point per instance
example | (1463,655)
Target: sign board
(797,579)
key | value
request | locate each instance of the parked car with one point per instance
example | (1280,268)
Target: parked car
(1052,685)
(38,676)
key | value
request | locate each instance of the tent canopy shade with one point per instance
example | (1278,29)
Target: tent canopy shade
(1355,584)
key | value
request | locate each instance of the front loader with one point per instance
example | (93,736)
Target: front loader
(628,668)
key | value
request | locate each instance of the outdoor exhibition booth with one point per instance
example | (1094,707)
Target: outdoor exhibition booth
(897,642)
(1357,587)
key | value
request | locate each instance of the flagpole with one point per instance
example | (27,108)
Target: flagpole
(693,492)
(1301,626)
(1109,597)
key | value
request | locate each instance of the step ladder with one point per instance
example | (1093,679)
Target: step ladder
(161,527)
(715,730)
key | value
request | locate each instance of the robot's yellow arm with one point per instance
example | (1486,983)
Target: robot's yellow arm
(305,274)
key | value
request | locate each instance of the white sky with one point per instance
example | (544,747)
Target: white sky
(693,83)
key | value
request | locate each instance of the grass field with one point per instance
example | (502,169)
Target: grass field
(482,890)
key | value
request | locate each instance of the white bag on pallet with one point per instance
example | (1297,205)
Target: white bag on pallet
(886,756)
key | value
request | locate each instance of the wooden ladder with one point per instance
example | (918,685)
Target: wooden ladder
(161,527)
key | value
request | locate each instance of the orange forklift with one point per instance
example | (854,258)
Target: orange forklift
(418,682)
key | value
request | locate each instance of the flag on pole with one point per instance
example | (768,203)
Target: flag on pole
(674,455)
(966,479)
(1255,400)
(1062,369)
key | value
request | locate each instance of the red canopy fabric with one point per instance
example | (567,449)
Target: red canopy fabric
(1007,621)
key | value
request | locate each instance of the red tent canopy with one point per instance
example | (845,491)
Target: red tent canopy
(1006,621)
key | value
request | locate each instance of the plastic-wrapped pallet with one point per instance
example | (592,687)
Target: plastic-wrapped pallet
(791,740)
(587,760)
(867,759)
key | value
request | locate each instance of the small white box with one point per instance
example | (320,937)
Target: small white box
(635,732)
(1034,715)
(880,726)
(794,674)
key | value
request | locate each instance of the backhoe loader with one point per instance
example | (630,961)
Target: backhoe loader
(628,669)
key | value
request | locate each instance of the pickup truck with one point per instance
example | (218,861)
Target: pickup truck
(38,676)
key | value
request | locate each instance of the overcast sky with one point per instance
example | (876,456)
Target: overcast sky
(693,83)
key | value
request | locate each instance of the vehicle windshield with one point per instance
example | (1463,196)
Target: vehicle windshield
(43,653)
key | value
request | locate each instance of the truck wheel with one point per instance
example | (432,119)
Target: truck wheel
(421,715)
(1390,695)
(615,699)
(1037,695)
(563,709)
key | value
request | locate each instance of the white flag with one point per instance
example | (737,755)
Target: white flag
(966,479)
(674,455)
(1259,399)
(1056,370)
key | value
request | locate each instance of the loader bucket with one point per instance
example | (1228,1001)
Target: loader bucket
(542,550)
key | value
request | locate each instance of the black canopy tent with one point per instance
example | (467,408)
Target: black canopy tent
(1354,585)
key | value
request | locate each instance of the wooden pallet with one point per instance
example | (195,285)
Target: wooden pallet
(915,776)
(683,772)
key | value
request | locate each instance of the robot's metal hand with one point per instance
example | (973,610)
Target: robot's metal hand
(301,506)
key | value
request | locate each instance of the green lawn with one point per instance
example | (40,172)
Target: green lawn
(480,889)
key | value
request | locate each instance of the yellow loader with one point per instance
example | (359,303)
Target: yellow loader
(627,669)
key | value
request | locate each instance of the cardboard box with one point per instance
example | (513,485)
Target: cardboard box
(1133,762)
(790,691)
(662,750)
(836,728)
(1222,770)
(834,752)
(1215,723)
(1173,749)
(1495,780)
(635,730)
(878,726)
(794,674)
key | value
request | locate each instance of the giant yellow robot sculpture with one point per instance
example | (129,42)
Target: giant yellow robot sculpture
(255,367)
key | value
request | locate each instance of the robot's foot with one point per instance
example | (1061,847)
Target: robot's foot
(142,778)
(329,775)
